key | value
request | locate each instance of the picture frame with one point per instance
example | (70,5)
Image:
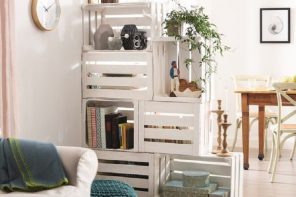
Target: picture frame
(274,25)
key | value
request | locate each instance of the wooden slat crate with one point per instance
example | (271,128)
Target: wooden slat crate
(145,15)
(126,107)
(226,172)
(120,75)
(140,170)
(171,127)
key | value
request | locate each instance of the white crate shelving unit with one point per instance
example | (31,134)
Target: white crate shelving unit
(117,74)
(137,82)
(140,170)
(226,172)
(171,127)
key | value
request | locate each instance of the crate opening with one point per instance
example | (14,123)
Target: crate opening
(110,124)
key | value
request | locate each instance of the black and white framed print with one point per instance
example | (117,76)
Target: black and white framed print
(275,25)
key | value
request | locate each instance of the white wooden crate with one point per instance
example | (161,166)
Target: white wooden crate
(117,75)
(140,170)
(171,127)
(166,50)
(226,172)
(126,107)
(147,16)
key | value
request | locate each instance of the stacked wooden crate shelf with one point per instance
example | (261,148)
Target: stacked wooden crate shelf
(136,82)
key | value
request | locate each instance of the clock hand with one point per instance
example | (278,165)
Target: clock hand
(50,6)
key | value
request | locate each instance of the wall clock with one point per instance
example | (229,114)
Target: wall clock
(46,14)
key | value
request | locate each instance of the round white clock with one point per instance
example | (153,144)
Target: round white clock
(46,13)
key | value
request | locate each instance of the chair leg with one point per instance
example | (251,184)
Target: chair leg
(293,150)
(265,137)
(271,160)
(276,157)
(238,123)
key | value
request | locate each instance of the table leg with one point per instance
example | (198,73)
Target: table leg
(245,129)
(261,131)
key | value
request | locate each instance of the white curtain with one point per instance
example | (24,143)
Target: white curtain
(7,86)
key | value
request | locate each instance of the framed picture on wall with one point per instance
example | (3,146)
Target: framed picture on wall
(275,25)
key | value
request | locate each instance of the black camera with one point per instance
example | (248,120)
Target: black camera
(132,39)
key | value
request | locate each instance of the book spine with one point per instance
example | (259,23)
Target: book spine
(115,135)
(108,131)
(130,138)
(98,127)
(88,122)
(93,127)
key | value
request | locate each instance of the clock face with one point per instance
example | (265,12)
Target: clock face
(46,13)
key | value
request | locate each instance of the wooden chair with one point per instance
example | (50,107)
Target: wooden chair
(252,82)
(283,130)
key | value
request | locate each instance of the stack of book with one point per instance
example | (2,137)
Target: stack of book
(108,129)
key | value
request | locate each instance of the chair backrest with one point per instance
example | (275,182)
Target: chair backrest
(249,82)
(284,98)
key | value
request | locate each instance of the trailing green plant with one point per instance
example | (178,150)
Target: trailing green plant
(200,34)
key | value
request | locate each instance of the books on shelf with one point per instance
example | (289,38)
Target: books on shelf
(108,129)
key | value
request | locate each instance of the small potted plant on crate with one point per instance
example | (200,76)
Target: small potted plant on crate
(199,34)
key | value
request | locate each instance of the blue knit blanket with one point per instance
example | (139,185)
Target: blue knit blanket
(29,166)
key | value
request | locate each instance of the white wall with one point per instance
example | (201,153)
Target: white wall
(239,21)
(48,76)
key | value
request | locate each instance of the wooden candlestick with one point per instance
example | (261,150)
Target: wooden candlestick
(219,113)
(224,152)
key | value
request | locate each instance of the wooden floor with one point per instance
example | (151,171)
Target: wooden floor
(256,179)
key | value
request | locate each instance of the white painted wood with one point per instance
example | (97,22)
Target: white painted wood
(108,164)
(137,57)
(136,82)
(122,69)
(138,64)
(169,107)
(125,156)
(117,6)
(161,120)
(166,98)
(123,169)
(141,127)
(134,182)
(171,148)
(131,19)
(170,134)
(115,93)
(142,193)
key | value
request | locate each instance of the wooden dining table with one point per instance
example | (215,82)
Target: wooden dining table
(261,98)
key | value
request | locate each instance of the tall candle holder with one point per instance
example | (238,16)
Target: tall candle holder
(224,152)
(219,113)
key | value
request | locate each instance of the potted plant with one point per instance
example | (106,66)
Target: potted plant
(200,34)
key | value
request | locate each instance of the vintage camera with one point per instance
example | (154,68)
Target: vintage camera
(132,39)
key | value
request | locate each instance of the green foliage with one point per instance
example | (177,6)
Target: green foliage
(200,35)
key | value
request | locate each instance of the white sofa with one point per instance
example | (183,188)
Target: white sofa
(80,165)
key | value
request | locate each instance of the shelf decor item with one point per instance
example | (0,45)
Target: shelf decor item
(199,33)
(219,113)
(275,25)
(132,38)
(224,152)
(114,43)
(101,36)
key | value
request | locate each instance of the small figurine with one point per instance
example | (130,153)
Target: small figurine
(174,74)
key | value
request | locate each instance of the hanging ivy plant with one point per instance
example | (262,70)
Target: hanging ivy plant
(200,34)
